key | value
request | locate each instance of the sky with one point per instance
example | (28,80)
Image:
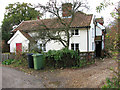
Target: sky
(92,3)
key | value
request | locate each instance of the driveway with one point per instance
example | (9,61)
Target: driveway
(93,76)
(12,78)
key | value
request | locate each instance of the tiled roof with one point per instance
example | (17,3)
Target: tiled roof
(99,20)
(28,36)
(80,20)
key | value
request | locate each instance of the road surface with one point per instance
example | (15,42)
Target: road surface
(12,78)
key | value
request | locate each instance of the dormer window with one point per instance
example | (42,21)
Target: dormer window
(75,32)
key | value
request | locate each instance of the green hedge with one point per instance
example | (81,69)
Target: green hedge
(8,62)
(62,58)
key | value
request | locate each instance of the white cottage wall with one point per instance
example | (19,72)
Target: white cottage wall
(81,39)
(98,31)
(19,38)
(91,37)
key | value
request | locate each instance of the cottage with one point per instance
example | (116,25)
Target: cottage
(88,35)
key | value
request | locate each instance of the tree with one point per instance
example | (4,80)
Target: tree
(15,14)
(114,37)
(55,10)
(111,36)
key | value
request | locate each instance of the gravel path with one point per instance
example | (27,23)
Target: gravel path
(92,76)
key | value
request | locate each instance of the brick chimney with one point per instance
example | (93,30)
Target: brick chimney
(66,9)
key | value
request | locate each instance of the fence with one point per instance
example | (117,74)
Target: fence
(7,56)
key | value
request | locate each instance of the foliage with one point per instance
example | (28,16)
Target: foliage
(111,38)
(5,47)
(114,83)
(64,58)
(15,14)
(20,59)
(103,5)
(8,62)
(61,58)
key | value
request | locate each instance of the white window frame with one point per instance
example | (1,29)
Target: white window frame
(42,46)
(73,32)
(74,48)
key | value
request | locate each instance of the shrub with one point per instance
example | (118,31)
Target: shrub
(8,62)
(113,83)
(61,58)
(20,59)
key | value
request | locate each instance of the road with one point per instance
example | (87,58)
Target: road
(12,78)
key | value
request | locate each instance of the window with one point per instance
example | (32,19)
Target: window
(43,47)
(72,46)
(72,32)
(75,32)
(40,46)
(75,46)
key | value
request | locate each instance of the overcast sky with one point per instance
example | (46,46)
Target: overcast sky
(92,3)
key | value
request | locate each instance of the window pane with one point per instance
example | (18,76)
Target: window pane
(44,47)
(72,32)
(76,32)
(72,46)
(76,46)
(41,46)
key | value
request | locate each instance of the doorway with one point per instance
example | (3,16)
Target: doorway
(18,48)
(98,48)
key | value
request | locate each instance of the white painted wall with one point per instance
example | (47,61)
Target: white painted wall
(98,31)
(53,45)
(18,37)
(81,39)
(91,36)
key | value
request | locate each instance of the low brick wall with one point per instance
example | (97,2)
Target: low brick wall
(86,55)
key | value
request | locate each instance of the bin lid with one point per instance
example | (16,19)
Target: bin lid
(37,54)
(29,53)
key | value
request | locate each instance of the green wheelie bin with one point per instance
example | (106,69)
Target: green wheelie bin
(38,61)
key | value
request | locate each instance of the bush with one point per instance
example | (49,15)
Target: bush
(114,83)
(61,58)
(8,62)
(20,59)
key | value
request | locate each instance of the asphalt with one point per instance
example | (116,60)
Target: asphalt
(12,78)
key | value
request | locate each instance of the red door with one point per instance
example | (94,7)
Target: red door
(18,48)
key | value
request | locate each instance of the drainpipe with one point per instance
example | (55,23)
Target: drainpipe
(104,43)
(88,43)
(95,24)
